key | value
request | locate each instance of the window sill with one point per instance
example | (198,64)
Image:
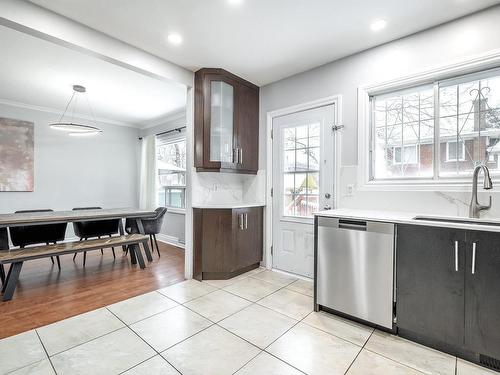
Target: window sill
(173,210)
(427,185)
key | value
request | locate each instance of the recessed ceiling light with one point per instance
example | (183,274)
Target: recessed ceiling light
(235,2)
(378,25)
(174,38)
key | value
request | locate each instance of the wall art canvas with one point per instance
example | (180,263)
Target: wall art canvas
(16,155)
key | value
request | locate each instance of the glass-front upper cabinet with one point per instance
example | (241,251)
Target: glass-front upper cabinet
(226,123)
(221,122)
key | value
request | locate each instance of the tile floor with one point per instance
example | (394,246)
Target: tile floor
(261,322)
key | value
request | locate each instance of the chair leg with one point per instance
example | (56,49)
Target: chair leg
(84,258)
(58,262)
(52,259)
(113,250)
(2,274)
(157,248)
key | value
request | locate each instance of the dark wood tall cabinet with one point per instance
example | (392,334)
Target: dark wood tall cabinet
(227,242)
(226,120)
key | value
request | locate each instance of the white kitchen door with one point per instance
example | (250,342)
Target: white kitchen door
(303,180)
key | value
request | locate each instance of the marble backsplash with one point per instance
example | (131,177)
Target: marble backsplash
(227,188)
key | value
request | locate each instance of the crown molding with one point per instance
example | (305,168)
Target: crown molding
(172,116)
(59,112)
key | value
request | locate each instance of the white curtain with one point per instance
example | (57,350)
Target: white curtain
(147,190)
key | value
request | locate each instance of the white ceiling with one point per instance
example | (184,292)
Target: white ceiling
(41,74)
(261,40)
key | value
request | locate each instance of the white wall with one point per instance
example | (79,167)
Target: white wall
(455,41)
(72,172)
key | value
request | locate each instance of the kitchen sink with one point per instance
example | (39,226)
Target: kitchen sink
(458,220)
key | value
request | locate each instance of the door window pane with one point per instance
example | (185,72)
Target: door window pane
(171,164)
(301,156)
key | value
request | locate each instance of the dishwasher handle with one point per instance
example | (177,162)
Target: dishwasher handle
(353,225)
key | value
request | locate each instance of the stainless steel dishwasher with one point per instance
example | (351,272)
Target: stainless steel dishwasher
(355,269)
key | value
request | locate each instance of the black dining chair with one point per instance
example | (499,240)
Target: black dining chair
(38,234)
(4,246)
(95,229)
(151,226)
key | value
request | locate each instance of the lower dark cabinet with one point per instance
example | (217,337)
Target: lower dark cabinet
(430,282)
(482,293)
(447,290)
(227,242)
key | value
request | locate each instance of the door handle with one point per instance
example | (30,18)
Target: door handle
(456,256)
(235,155)
(473,258)
(240,221)
(240,158)
(246,221)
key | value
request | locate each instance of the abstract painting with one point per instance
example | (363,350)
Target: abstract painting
(16,155)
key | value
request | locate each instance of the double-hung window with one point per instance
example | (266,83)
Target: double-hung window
(171,164)
(437,132)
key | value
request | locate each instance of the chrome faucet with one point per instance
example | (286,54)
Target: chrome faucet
(475,207)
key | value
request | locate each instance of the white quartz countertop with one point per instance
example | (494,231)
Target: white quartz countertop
(228,205)
(399,217)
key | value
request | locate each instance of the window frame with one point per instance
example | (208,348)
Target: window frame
(474,68)
(175,138)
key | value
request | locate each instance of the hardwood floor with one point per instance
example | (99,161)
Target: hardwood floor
(44,295)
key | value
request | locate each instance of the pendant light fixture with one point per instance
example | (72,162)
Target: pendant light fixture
(67,124)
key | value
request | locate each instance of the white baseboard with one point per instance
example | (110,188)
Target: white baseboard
(171,240)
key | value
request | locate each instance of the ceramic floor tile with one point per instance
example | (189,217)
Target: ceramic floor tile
(313,351)
(165,329)
(267,364)
(77,330)
(141,307)
(154,366)
(411,354)
(252,289)
(369,363)
(186,290)
(467,368)
(343,328)
(303,286)
(293,304)
(213,351)
(223,283)
(40,368)
(217,305)
(252,272)
(108,355)
(274,277)
(257,324)
(20,351)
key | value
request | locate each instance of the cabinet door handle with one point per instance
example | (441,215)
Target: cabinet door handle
(473,258)
(246,221)
(240,159)
(235,155)
(456,256)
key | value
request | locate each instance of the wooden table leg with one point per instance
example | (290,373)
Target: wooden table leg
(138,254)
(140,227)
(15,270)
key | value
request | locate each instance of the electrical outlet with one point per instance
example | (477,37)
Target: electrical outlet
(215,187)
(349,190)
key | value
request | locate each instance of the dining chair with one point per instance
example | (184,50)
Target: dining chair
(95,229)
(38,234)
(151,226)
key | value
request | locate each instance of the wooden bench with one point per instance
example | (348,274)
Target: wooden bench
(16,257)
